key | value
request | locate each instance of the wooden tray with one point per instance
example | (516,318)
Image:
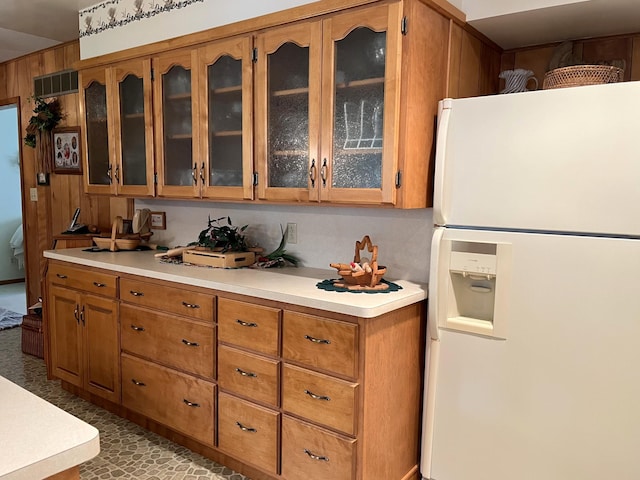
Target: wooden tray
(218,259)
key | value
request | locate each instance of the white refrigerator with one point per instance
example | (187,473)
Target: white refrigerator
(533,349)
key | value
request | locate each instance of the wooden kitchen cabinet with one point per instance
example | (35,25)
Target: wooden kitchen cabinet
(83,330)
(337,117)
(224,108)
(133,128)
(118,125)
(95,113)
(173,98)
(344,112)
(274,390)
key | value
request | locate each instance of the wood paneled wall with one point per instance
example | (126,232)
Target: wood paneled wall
(56,203)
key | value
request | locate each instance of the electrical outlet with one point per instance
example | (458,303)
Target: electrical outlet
(33,194)
(292,233)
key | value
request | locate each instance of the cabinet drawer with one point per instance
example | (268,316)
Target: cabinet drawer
(320,398)
(168,298)
(248,432)
(180,401)
(179,343)
(315,454)
(320,343)
(248,325)
(249,375)
(83,279)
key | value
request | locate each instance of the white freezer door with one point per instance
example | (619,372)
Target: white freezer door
(559,399)
(554,160)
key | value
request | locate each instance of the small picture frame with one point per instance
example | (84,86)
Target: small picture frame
(66,151)
(158,220)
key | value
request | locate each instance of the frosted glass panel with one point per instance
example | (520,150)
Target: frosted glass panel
(134,165)
(288,117)
(225,122)
(359,104)
(178,143)
(97,135)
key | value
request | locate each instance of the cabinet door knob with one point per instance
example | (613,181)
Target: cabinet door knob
(99,285)
(317,397)
(190,344)
(190,404)
(316,457)
(137,329)
(246,429)
(190,305)
(59,275)
(136,294)
(246,324)
(136,382)
(317,340)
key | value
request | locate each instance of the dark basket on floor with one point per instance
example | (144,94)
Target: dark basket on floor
(32,337)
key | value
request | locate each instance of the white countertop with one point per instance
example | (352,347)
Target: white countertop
(292,285)
(37,439)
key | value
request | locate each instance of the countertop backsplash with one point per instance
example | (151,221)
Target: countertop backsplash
(325,234)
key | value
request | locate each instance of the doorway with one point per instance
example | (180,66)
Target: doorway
(12,245)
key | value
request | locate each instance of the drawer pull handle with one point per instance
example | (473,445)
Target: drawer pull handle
(190,404)
(246,324)
(317,340)
(246,429)
(190,305)
(137,329)
(99,285)
(317,397)
(316,457)
(190,344)
(140,384)
(136,294)
(246,374)
(59,275)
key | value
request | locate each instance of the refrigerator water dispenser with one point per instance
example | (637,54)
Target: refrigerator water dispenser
(476,290)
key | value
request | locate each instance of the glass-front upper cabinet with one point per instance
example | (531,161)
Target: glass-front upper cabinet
(360,105)
(133,128)
(224,132)
(288,112)
(97,156)
(327,118)
(178,173)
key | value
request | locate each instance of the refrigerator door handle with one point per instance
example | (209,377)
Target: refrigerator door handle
(434,285)
(429,407)
(439,191)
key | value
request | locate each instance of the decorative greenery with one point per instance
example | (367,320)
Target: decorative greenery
(226,238)
(46,116)
(280,256)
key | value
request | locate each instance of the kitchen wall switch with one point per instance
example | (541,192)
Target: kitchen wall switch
(292,233)
(33,194)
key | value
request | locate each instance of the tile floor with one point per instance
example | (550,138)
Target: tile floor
(127,451)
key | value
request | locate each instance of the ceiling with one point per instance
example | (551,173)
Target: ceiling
(581,19)
(30,25)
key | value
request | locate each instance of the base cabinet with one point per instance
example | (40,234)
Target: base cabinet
(312,452)
(249,431)
(83,332)
(276,391)
(177,400)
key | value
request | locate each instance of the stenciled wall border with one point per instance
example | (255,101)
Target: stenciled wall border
(117,13)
